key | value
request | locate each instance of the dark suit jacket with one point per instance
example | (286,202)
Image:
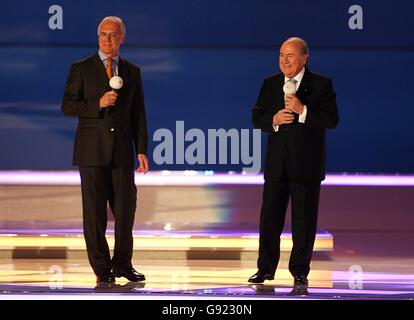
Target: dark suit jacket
(297,147)
(111,131)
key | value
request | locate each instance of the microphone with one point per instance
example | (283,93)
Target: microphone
(116,82)
(289,88)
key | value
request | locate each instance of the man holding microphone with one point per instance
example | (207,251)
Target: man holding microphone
(294,107)
(111,124)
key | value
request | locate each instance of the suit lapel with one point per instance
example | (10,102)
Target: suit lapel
(121,67)
(304,88)
(280,95)
(100,75)
(122,72)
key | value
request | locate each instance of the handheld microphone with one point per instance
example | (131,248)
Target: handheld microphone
(289,88)
(116,82)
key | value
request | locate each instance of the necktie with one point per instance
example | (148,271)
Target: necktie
(109,68)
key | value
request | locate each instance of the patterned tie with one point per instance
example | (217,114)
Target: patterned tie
(109,68)
(294,81)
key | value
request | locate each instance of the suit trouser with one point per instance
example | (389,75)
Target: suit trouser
(101,185)
(305,202)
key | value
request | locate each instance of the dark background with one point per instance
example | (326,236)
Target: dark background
(203,62)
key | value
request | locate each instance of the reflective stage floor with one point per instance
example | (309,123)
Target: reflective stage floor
(345,273)
(206,243)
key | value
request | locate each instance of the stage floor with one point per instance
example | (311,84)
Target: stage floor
(346,273)
(363,252)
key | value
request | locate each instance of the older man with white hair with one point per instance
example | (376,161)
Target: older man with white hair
(294,107)
(111,134)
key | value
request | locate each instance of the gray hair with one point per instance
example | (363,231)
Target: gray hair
(302,43)
(113,19)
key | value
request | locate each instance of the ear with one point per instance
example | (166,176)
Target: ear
(122,38)
(306,58)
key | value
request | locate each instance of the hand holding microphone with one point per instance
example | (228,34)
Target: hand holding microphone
(292,102)
(109,98)
(289,88)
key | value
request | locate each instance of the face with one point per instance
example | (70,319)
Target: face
(291,59)
(110,38)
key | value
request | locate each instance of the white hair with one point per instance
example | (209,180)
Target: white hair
(302,43)
(113,19)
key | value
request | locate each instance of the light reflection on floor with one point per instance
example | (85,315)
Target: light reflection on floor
(195,279)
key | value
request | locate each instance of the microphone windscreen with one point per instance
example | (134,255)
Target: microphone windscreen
(116,82)
(289,88)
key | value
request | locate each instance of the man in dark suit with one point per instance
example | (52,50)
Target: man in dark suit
(110,124)
(295,158)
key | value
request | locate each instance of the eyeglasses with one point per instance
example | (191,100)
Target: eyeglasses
(112,36)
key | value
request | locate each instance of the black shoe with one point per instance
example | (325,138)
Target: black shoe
(300,281)
(131,274)
(260,277)
(105,278)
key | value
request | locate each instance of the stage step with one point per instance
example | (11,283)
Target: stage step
(180,215)
(160,245)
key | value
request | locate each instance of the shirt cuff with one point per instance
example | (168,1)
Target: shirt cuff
(275,128)
(302,117)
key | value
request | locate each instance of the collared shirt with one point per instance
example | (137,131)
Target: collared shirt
(115,61)
(298,78)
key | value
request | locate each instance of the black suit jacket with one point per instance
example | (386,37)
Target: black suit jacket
(298,148)
(102,134)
